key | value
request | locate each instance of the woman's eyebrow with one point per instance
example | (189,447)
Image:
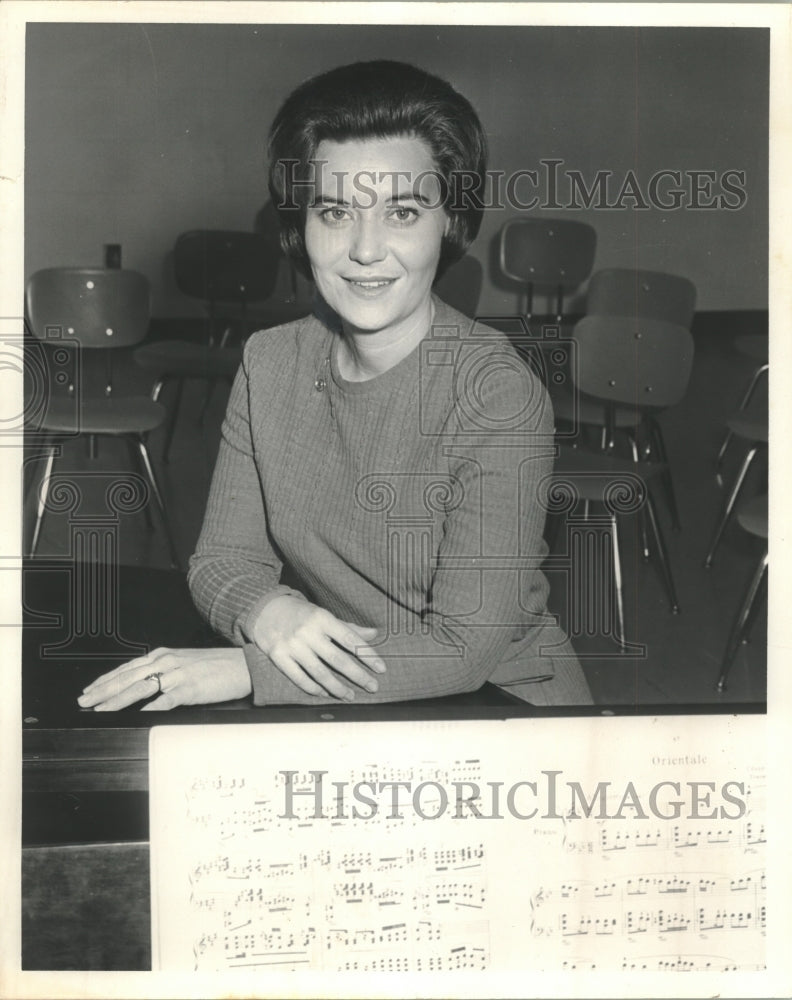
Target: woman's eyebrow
(410,196)
(328,199)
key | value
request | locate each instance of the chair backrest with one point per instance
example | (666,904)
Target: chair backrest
(620,291)
(547,252)
(220,265)
(91,307)
(633,361)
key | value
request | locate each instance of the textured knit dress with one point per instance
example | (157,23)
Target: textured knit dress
(411,502)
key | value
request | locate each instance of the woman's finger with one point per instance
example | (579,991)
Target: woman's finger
(307,658)
(123,698)
(343,634)
(287,666)
(344,664)
(106,688)
(127,668)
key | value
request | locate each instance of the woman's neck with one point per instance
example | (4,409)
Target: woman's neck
(363,355)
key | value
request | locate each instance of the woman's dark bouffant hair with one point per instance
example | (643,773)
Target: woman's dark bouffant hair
(381,99)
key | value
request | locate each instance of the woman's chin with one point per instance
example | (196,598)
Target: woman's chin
(373,315)
(368,320)
(361,313)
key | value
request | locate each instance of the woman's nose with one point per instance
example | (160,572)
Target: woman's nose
(368,242)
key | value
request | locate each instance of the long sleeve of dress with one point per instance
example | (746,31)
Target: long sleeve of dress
(235,570)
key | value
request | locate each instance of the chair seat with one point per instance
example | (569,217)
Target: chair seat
(752,516)
(748,428)
(180,357)
(591,411)
(592,473)
(754,346)
(122,415)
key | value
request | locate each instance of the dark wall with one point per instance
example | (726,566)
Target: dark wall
(135,133)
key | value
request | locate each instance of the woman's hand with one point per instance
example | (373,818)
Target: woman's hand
(186,677)
(312,647)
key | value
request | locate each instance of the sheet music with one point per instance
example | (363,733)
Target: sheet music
(268,851)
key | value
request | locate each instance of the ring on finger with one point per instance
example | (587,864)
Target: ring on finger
(155,677)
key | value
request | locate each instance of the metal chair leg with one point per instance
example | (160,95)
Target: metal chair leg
(761,370)
(210,388)
(743,618)
(135,456)
(642,512)
(728,506)
(662,553)
(668,481)
(172,417)
(43,494)
(617,581)
(644,439)
(723,448)
(747,396)
(646,551)
(753,612)
(143,450)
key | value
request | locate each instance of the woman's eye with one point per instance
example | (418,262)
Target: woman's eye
(334,215)
(402,214)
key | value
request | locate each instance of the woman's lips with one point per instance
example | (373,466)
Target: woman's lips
(370,286)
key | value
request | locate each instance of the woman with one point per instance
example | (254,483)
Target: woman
(386,449)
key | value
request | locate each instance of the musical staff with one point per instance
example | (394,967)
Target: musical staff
(292,869)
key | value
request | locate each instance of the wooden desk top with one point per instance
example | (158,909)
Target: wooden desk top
(81,620)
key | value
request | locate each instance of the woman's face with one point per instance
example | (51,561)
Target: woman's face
(374,230)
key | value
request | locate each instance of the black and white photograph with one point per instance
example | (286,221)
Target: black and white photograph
(389,499)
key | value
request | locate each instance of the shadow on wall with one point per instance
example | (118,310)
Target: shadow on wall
(461,285)
(293,293)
